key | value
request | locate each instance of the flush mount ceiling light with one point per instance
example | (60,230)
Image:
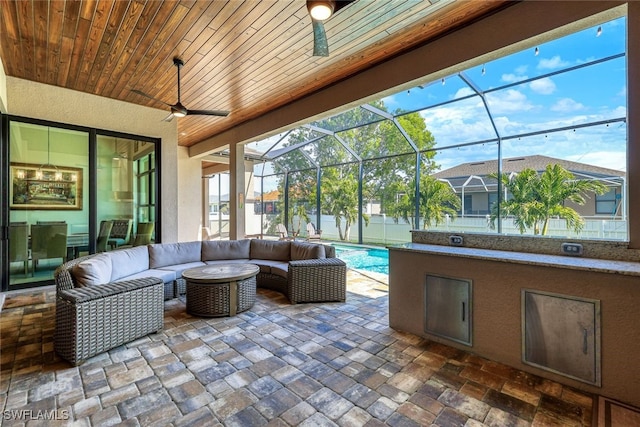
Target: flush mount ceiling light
(320,10)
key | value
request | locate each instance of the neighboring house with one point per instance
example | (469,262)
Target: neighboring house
(218,206)
(269,203)
(478,191)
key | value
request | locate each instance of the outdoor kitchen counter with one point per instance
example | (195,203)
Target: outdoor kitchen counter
(488,288)
(568,262)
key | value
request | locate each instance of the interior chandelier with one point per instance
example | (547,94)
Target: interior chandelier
(48,165)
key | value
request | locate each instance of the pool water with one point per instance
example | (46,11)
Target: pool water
(364,258)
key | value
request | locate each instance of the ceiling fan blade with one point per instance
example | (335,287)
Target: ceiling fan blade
(177,109)
(320,44)
(139,92)
(220,113)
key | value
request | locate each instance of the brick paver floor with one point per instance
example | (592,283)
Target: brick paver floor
(277,364)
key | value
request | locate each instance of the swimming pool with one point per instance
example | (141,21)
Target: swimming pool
(364,258)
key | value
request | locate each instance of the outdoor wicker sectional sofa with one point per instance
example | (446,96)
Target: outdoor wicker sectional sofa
(108,299)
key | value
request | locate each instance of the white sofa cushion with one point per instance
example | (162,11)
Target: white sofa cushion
(94,271)
(167,276)
(280,268)
(275,250)
(163,254)
(179,268)
(265,264)
(127,262)
(228,261)
(300,250)
(213,250)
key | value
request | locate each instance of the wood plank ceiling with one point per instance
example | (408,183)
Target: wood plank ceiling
(244,56)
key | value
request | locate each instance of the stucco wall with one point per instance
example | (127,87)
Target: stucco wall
(189,196)
(36,100)
(3,89)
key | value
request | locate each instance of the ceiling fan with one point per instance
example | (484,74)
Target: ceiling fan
(320,11)
(177,109)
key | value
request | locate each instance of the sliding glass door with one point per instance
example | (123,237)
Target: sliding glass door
(48,199)
(71,191)
(125,192)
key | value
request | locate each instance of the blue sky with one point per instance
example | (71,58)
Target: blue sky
(586,95)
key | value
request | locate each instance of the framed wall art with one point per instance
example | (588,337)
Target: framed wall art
(45,187)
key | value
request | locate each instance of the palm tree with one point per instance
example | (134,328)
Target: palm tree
(522,204)
(299,213)
(538,198)
(340,199)
(437,200)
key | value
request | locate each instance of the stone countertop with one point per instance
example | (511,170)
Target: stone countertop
(574,263)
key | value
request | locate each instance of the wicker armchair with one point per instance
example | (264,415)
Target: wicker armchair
(317,280)
(93,319)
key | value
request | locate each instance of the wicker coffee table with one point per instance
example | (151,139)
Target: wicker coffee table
(220,290)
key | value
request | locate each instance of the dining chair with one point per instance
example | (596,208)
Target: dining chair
(48,241)
(19,244)
(103,235)
(145,231)
(120,232)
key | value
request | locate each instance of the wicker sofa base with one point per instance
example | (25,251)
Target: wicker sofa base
(317,280)
(92,320)
(273,282)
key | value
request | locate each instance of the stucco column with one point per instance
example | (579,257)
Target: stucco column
(633,121)
(237,198)
(205,205)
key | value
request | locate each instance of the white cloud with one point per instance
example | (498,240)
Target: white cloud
(544,86)
(623,91)
(522,70)
(553,63)
(391,101)
(506,126)
(618,112)
(566,105)
(512,78)
(508,102)
(616,160)
(462,92)
(464,122)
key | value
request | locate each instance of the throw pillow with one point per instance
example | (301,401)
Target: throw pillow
(94,271)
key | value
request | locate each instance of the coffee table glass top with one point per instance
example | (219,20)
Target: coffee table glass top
(220,273)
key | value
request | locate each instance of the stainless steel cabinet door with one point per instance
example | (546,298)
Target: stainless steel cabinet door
(448,308)
(561,334)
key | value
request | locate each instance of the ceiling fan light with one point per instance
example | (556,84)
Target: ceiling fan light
(321,10)
(178,111)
